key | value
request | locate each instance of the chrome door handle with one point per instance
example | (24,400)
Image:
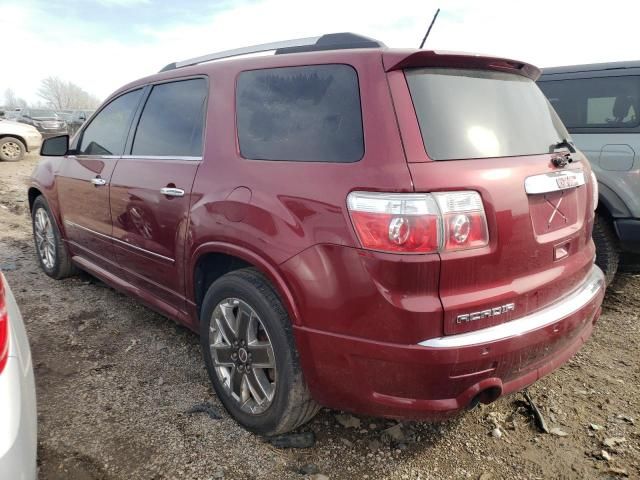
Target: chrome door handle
(172,192)
(98,182)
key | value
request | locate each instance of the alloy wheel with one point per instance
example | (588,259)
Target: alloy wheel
(45,239)
(242,354)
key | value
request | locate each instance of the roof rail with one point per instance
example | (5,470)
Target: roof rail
(330,41)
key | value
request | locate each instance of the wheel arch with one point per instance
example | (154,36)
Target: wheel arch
(610,204)
(221,258)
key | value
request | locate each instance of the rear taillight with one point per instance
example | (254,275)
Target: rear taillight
(4,325)
(419,222)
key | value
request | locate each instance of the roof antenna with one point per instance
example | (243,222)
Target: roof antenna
(430,26)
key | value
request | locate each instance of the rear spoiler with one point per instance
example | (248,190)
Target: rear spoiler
(400,59)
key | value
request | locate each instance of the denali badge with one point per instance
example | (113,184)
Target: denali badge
(491,312)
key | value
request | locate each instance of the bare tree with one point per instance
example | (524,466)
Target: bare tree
(12,101)
(61,95)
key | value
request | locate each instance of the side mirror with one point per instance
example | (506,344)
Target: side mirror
(55,146)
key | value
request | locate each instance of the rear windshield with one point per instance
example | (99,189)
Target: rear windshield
(480,114)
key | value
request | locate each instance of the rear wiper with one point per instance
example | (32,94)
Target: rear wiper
(563,143)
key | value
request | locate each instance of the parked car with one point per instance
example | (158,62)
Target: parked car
(600,105)
(344,226)
(76,118)
(16,139)
(48,123)
(18,415)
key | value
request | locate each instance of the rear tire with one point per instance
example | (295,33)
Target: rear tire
(607,251)
(51,251)
(12,149)
(283,401)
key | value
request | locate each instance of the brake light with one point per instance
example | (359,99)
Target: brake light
(464,220)
(4,325)
(418,222)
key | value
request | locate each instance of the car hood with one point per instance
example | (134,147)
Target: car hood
(7,126)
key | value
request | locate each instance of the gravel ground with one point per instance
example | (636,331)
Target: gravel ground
(116,382)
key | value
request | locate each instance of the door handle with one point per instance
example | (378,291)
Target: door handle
(98,182)
(172,192)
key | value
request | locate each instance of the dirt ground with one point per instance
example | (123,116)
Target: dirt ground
(116,381)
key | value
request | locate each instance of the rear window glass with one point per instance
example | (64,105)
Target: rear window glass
(481,114)
(307,114)
(608,102)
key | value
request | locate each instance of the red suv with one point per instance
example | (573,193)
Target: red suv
(399,233)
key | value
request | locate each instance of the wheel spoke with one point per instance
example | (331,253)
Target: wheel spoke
(235,381)
(259,386)
(223,355)
(262,355)
(244,319)
(225,322)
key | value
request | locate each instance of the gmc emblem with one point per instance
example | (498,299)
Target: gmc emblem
(491,312)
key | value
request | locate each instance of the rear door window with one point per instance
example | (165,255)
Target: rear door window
(481,114)
(172,121)
(307,114)
(107,132)
(605,102)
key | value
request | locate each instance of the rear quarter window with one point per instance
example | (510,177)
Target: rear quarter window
(603,102)
(306,114)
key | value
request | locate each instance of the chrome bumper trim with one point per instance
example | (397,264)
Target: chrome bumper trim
(540,319)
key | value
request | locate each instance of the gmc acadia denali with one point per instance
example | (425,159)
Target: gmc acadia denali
(400,233)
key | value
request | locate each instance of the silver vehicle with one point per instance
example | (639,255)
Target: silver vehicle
(600,106)
(18,416)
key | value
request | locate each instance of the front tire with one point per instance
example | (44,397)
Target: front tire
(11,149)
(607,252)
(250,354)
(52,253)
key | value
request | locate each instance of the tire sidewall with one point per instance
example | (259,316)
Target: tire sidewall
(23,149)
(235,287)
(41,204)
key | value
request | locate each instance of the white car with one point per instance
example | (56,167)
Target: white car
(16,139)
(18,414)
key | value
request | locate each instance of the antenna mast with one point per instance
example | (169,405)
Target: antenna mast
(430,26)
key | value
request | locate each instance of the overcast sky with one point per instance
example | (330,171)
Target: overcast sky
(103,44)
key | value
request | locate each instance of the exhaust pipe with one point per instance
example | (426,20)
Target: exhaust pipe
(486,396)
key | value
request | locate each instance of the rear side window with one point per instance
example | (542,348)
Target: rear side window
(107,132)
(172,120)
(307,114)
(606,102)
(481,114)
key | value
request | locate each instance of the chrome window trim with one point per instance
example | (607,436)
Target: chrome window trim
(548,182)
(570,304)
(161,157)
(117,240)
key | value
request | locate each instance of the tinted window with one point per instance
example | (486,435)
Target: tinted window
(482,114)
(300,113)
(107,132)
(610,102)
(172,120)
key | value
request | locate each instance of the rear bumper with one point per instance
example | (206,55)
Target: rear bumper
(628,230)
(18,415)
(441,376)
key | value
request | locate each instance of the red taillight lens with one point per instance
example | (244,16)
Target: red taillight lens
(390,222)
(4,325)
(464,220)
(418,222)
